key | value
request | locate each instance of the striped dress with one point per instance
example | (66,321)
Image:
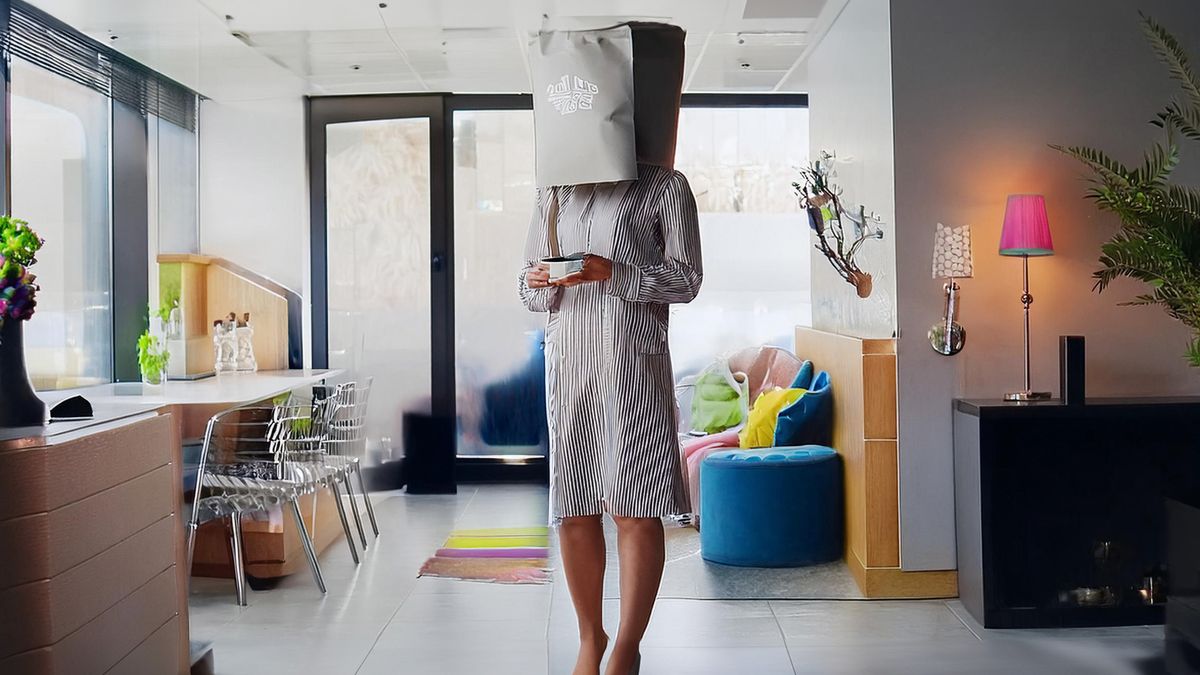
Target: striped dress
(610,393)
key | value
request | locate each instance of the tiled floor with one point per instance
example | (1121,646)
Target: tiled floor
(379,618)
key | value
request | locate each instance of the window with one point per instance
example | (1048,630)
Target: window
(172,168)
(740,163)
(60,184)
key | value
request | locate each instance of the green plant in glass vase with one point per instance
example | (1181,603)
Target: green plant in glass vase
(1158,242)
(153,358)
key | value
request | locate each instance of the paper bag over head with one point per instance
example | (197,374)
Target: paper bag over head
(605,100)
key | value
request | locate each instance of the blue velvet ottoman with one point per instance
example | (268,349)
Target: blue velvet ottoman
(779,507)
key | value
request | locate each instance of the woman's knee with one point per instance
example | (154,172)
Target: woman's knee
(638,524)
(575,523)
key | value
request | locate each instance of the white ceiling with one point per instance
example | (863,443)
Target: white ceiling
(246,49)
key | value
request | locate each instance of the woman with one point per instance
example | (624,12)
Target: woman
(609,387)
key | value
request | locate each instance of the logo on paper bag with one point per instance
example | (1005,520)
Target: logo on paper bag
(570,94)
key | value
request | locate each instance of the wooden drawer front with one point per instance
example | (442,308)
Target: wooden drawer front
(160,653)
(106,640)
(42,479)
(43,612)
(44,545)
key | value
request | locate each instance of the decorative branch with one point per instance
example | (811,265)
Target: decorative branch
(822,200)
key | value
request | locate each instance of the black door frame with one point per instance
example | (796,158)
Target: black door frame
(439,108)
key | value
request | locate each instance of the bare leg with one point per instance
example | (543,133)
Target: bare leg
(642,550)
(581,540)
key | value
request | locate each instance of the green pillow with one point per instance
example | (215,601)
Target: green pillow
(716,406)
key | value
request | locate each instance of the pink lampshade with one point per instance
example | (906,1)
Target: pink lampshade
(1026,228)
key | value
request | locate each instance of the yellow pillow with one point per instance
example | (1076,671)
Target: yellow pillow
(759,431)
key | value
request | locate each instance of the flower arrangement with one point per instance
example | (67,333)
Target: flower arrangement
(19,245)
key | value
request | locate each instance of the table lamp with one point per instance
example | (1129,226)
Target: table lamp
(951,260)
(1026,233)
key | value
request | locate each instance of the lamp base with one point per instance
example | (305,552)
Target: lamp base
(1028,396)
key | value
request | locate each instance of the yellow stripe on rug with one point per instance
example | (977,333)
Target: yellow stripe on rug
(513,541)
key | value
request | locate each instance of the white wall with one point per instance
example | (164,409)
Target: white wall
(254,190)
(850,99)
(981,88)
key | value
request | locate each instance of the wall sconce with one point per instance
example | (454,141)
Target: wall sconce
(951,260)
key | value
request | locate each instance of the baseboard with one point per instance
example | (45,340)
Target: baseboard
(895,583)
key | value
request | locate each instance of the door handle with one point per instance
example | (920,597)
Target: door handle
(438,262)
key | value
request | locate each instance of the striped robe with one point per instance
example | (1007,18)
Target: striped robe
(610,392)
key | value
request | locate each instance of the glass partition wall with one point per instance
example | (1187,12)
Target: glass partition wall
(101,159)
(60,184)
(438,214)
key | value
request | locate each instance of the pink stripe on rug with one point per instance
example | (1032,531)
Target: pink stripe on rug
(529,552)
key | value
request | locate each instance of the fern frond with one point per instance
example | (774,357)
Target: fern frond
(1106,167)
(1170,52)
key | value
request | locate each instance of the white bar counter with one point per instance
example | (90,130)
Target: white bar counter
(91,525)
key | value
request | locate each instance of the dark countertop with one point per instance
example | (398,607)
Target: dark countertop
(1093,408)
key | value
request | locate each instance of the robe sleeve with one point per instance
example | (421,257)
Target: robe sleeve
(677,278)
(537,246)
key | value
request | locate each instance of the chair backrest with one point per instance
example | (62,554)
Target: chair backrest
(346,418)
(261,441)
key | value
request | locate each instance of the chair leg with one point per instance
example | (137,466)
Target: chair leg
(362,483)
(337,499)
(362,535)
(309,551)
(239,570)
(191,545)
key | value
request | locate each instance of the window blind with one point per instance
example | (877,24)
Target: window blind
(43,40)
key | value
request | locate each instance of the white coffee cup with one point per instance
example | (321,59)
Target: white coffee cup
(563,266)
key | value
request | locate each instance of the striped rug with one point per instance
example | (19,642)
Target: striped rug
(509,555)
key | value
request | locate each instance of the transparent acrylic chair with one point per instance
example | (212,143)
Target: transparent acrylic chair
(299,435)
(346,443)
(244,469)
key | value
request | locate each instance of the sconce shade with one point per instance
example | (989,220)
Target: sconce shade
(952,252)
(1026,229)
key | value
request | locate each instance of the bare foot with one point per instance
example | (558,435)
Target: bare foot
(623,660)
(591,652)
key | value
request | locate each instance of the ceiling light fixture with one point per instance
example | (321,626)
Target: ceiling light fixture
(355,67)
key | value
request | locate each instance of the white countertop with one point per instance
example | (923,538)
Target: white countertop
(122,400)
(232,389)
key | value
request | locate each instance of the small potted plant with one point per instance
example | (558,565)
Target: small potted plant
(19,245)
(152,359)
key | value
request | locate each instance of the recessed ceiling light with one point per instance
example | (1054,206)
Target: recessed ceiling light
(229,17)
(383,5)
(355,67)
(745,65)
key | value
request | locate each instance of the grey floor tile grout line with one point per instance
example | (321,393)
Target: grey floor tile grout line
(783,636)
(962,621)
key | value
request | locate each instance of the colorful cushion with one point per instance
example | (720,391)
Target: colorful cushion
(760,427)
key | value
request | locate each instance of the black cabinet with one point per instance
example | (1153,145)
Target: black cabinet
(1061,509)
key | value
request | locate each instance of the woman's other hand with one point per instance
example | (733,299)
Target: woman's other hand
(537,276)
(595,268)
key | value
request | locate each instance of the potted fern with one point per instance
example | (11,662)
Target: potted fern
(1158,242)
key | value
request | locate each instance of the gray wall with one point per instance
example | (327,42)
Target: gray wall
(980,89)
(850,99)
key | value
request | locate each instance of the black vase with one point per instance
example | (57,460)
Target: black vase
(19,406)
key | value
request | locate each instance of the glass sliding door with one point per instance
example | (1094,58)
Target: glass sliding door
(498,343)
(378,220)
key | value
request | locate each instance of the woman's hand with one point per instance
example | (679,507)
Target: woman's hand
(595,268)
(537,276)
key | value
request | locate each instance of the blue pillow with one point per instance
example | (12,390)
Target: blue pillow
(808,421)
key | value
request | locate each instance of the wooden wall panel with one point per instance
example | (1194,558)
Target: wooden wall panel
(863,373)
